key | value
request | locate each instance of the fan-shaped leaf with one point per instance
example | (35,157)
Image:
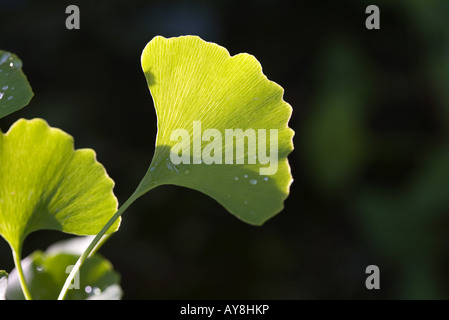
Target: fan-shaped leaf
(222,126)
(46,271)
(46,184)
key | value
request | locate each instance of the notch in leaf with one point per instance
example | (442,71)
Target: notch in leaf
(15,91)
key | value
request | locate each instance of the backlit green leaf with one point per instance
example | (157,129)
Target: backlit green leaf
(197,86)
(46,184)
(15,91)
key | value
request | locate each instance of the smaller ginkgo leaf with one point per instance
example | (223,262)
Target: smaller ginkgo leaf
(222,126)
(46,271)
(15,91)
(46,184)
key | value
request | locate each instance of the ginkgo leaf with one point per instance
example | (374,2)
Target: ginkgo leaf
(200,94)
(222,126)
(46,271)
(46,184)
(15,91)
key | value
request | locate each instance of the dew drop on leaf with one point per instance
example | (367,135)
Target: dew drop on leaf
(17,64)
(4,57)
(96,291)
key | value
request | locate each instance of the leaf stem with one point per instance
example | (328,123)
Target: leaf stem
(97,242)
(100,243)
(23,284)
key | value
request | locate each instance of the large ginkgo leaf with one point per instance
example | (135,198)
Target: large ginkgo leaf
(203,97)
(15,91)
(46,184)
(222,126)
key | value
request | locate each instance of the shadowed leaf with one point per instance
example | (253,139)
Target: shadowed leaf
(15,91)
(46,271)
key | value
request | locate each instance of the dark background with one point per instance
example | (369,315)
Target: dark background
(371,158)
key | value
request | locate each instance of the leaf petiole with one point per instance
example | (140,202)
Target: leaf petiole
(23,284)
(97,242)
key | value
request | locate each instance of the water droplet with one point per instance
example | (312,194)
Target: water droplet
(187,172)
(236,178)
(11,65)
(152,169)
(245,176)
(4,57)
(1,95)
(5,88)
(97,291)
(265,179)
(170,166)
(253,181)
(10,98)
(17,64)
(88,289)
(39,268)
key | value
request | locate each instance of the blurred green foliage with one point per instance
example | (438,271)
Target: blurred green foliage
(371,159)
